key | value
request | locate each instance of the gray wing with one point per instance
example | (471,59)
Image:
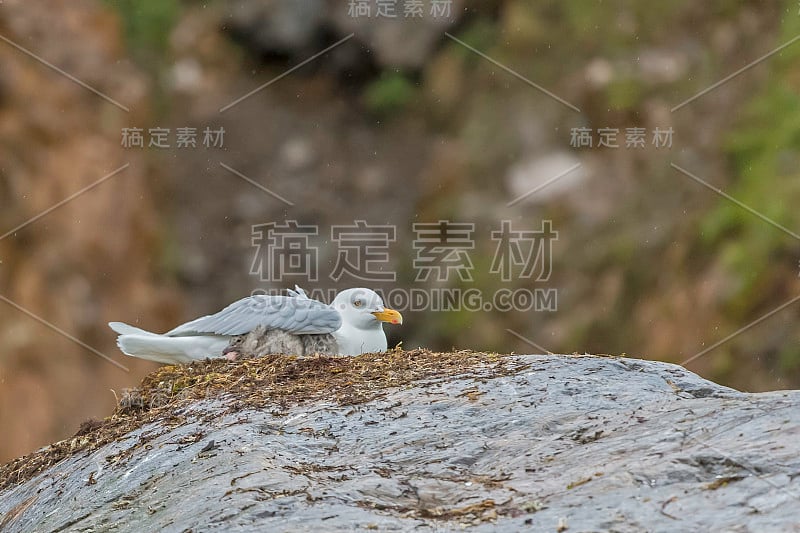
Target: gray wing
(293,314)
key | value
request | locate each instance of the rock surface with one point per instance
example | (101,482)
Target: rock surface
(555,443)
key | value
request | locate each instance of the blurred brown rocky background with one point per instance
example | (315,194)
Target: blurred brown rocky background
(399,124)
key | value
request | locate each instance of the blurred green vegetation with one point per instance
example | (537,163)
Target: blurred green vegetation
(764,150)
(763,146)
(600,24)
(147,25)
(390,92)
(481,34)
(624,93)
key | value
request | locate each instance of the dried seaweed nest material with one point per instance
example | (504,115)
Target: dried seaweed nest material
(268,382)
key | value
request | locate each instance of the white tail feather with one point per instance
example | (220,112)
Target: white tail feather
(125,329)
(172,350)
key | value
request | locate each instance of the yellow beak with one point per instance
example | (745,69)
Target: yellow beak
(389,315)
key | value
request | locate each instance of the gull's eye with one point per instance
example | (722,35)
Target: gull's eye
(358,303)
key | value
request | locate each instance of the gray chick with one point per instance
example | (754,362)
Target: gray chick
(261,342)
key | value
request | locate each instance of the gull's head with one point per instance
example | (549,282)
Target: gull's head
(364,309)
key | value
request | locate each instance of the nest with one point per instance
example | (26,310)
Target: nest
(275,381)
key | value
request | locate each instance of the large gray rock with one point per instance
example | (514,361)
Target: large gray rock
(396,36)
(548,443)
(399,41)
(278,26)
